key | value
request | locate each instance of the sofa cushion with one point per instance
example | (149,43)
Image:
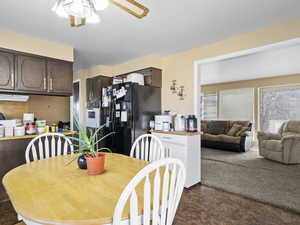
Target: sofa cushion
(242,131)
(244,123)
(211,137)
(230,139)
(217,127)
(292,126)
(272,145)
(234,129)
(284,134)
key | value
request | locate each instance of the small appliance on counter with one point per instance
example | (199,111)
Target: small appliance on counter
(179,123)
(93,118)
(163,122)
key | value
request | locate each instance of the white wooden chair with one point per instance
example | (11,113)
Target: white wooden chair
(56,144)
(148,147)
(159,207)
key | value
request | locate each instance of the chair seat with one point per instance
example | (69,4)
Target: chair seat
(273,145)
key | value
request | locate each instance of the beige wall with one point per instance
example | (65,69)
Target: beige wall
(180,66)
(28,44)
(50,108)
(13,109)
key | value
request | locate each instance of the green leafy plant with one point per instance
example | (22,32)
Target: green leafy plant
(87,145)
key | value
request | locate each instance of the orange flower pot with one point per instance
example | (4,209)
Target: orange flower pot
(95,165)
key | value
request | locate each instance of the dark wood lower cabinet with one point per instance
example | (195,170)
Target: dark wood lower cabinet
(12,154)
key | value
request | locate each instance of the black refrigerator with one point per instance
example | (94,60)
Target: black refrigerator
(131,108)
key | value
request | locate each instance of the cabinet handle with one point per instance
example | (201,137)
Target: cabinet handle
(45,85)
(12,80)
(51,84)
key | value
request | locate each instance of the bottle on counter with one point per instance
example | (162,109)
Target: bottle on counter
(53,128)
(30,128)
(191,124)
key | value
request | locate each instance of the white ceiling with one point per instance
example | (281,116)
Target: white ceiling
(170,27)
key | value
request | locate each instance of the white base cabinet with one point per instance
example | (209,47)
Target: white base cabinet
(187,148)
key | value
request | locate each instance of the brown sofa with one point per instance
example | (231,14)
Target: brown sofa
(215,135)
(283,146)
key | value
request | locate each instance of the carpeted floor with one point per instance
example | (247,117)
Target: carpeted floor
(252,176)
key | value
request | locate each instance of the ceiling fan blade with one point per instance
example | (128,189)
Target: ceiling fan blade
(132,7)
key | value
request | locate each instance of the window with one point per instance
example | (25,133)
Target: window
(236,104)
(209,106)
(278,104)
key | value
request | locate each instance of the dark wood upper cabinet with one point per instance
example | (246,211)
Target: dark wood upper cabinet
(60,77)
(31,74)
(6,71)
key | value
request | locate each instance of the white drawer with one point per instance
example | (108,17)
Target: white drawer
(175,139)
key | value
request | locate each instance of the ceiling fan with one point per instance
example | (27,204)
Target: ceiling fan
(81,12)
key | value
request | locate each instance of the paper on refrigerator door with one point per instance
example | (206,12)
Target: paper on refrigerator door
(124,116)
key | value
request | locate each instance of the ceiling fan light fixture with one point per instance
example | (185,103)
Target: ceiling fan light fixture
(79,8)
(100,4)
(93,19)
(81,12)
(58,8)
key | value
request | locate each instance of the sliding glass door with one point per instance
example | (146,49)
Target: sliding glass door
(278,104)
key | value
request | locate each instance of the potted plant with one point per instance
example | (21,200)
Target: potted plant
(91,157)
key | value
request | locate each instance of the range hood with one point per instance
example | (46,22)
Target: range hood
(14,98)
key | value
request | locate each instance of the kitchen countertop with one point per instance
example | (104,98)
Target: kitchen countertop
(182,133)
(32,136)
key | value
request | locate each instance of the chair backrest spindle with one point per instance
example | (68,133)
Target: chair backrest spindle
(41,144)
(147,147)
(166,178)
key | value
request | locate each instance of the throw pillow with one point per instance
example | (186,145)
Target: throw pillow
(242,131)
(234,129)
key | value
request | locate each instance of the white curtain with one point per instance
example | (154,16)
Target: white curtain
(236,104)
(210,106)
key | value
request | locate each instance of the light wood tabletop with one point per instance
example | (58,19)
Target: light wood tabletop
(51,192)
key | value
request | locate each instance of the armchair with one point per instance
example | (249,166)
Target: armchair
(283,146)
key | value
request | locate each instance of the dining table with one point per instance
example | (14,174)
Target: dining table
(54,191)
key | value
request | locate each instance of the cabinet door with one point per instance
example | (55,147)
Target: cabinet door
(6,71)
(176,151)
(31,74)
(60,77)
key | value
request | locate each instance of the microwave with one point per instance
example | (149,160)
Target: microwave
(93,118)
